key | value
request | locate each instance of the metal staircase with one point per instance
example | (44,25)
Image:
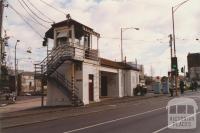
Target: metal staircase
(66,87)
(47,69)
(55,58)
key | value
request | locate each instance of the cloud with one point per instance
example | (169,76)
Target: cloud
(150,45)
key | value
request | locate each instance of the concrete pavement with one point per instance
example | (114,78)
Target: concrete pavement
(23,103)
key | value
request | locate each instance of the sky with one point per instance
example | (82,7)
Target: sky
(149,45)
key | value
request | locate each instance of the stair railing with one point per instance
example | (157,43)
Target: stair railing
(60,52)
(67,84)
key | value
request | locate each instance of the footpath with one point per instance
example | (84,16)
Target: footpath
(35,114)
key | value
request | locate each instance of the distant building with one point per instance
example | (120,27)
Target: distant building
(27,83)
(193,60)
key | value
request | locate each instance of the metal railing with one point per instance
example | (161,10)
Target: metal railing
(74,91)
(61,53)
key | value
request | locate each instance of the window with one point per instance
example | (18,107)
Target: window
(62,38)
(62,41)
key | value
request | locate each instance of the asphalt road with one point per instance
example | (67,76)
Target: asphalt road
(146,116)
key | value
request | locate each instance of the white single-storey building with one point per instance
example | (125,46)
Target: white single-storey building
(75,73)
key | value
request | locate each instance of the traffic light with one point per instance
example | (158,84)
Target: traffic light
(174,66)
(174,63)
(44,43)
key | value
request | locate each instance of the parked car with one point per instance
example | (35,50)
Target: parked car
(27,94)
(140,90)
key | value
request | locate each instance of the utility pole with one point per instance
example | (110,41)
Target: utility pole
(173,27)
(1,39)
(170,44)
(174,9)
(172,76)
(122,30)
(16,73)
(122,56)
(174,42)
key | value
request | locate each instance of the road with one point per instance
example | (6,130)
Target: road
(146,116)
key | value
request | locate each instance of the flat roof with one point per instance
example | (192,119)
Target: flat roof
(118,65)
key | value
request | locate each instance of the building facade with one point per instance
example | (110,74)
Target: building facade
(74,71)
(26,82)
(193,60)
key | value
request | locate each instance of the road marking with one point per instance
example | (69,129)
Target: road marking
(115,120)
(162,129)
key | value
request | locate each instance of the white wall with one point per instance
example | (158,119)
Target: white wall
(55,96)
(107,69)
(120,83)
(132,79)
(79,79)
(90,68)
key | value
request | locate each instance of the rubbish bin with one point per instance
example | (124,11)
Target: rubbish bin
(157,87)
(165,87)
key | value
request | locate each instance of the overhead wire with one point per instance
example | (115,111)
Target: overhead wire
(40,11)
(22,17)
(35,20)
(147,41)
(53,7)
(34,12)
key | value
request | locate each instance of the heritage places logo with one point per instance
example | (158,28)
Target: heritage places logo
(182,113)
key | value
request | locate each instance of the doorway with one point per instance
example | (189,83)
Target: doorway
(91,87)
(104,87)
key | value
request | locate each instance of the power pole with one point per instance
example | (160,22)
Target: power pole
(122,56)
(171,56)
(1,39)
(1,16)
(173,27)
(170,44)
(174,42)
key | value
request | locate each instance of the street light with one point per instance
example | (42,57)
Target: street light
(122,30)
(174,9)
(16,91)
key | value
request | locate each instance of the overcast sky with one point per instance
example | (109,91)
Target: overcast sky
(149,45)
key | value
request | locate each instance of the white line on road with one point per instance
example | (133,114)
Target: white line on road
(115,120)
